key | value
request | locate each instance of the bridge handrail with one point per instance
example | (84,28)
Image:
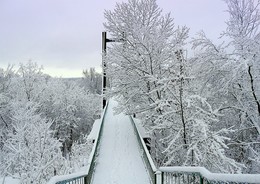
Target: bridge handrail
(91,165)
(63,179)
(146,155)
(81,177)
(202,175)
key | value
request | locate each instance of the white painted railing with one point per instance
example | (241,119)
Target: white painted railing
(200,175)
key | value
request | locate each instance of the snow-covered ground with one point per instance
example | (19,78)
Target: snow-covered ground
(9,180)
(119,159)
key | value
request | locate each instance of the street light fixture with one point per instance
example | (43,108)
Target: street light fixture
(105,40)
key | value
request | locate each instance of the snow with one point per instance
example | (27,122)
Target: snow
(143,135)
(56,179)
(9,180)
(119,159)
(140,128)
(242,178)
(97,123)
(94,131)
(79,173)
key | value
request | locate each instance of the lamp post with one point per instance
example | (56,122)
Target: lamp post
(105,40)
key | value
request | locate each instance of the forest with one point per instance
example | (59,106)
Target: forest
(45,122)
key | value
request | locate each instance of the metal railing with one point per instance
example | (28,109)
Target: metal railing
(76,180)
(182,178)
(200,175)
(86,178)
(94,153)
(163,175)
(145,154)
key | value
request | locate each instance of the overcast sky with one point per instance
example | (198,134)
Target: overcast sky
(65,35)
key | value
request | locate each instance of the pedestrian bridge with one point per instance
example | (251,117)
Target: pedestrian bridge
(119,156)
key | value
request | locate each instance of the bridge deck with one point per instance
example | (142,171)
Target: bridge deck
(119,160)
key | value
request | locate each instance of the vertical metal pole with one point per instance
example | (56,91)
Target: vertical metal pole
(201,179)
(158,175)
(104,81)
(85,179)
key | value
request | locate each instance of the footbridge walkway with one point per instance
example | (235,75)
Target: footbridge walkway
(119,156)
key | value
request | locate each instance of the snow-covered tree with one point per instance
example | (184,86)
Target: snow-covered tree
(138,65)
(195,140)
(152,78)
(42,119)
(71,109)
(5,98)
(92,81)
(30,81)
(65,102)
(229,74)
(80,152)
(149,41)
(31,152)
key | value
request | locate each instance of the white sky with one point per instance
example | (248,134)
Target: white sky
(65,35)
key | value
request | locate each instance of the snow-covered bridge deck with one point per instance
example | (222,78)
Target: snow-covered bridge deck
(119,160)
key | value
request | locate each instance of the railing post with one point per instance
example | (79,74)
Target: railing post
(201,179)
(85,180)
(158,177)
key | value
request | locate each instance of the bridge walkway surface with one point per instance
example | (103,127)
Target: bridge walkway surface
(119,160)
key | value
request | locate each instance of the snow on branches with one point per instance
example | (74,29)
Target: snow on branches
(153,79)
